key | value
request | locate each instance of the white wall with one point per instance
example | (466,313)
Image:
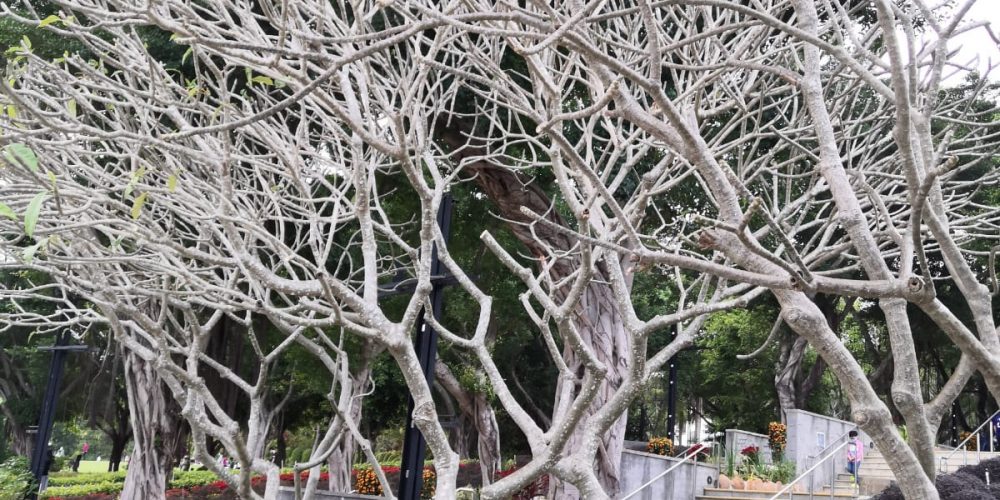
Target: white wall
(804,429)
(686,481)
(737,440)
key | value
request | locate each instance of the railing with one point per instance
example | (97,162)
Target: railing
(979,449)
(663,474)
(809,471)
(834,442)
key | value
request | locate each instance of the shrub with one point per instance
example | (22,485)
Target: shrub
(972,444)
(950,484)
(80,490)
(77,479)
(186,484)
(429,484)
(660,446)
(962,485)
(976,470)
(892,492)
(993,467)
(752,453)
(994,490)
(777,436)
(187,479)
(970,495)
(783,471)
(15,479)
(367,483)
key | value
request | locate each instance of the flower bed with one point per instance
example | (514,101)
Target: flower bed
(660,446)
(199,485)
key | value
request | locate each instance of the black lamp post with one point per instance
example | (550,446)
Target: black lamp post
(411,472)
(672,401)
(39,453)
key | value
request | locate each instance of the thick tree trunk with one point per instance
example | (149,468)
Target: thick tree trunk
(476,410)
(118,444)
(18,437)
(792,352)
(281,448)
(597,315)
(341,460)
(601,325)
(156,429)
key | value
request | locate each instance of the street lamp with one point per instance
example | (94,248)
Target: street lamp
(47,417)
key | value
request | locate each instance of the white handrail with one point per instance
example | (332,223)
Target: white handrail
(975,433)
(834,442)
(809,471)
(664,473)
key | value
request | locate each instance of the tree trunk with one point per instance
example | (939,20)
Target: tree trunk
(118,444)
(601,325)
(597,315)
(155,431)
(281,448)
(341,460)
(19,439)
(476,410)
(793,350)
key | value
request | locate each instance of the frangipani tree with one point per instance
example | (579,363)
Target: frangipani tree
(741,147)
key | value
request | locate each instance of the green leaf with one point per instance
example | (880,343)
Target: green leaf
(133,181)
(263,80)
(52,179)
(6,211)
(11,111)
(172,183)
(187,53)
(137,205)
(20,153)
(49,20)
(31,214)
(26,41)
(71,107)
(28,254)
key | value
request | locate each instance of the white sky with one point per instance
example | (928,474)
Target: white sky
(978,43)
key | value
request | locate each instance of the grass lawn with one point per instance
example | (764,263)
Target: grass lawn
(90,466)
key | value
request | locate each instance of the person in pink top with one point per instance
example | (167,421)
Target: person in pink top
(855,454)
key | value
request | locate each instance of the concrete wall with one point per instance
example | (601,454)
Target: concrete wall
(289,494)
(809,434)
(737,440)
(686,481)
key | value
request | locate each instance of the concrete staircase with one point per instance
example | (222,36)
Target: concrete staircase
(842,489)
(875,474)
(875,467)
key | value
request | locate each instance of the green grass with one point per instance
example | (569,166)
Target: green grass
(91,466)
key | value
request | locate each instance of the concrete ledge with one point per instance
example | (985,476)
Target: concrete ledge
(289,494)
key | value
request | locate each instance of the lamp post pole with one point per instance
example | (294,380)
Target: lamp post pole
(672,401)
(411,473)
(57,365)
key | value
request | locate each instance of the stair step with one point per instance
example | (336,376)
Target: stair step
(747,495)
(720,493)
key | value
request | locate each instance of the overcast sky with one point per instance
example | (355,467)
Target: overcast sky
(978,42)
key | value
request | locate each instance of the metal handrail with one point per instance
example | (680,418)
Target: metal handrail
(833,442)
(809,471)
(961,446)
(664,473)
